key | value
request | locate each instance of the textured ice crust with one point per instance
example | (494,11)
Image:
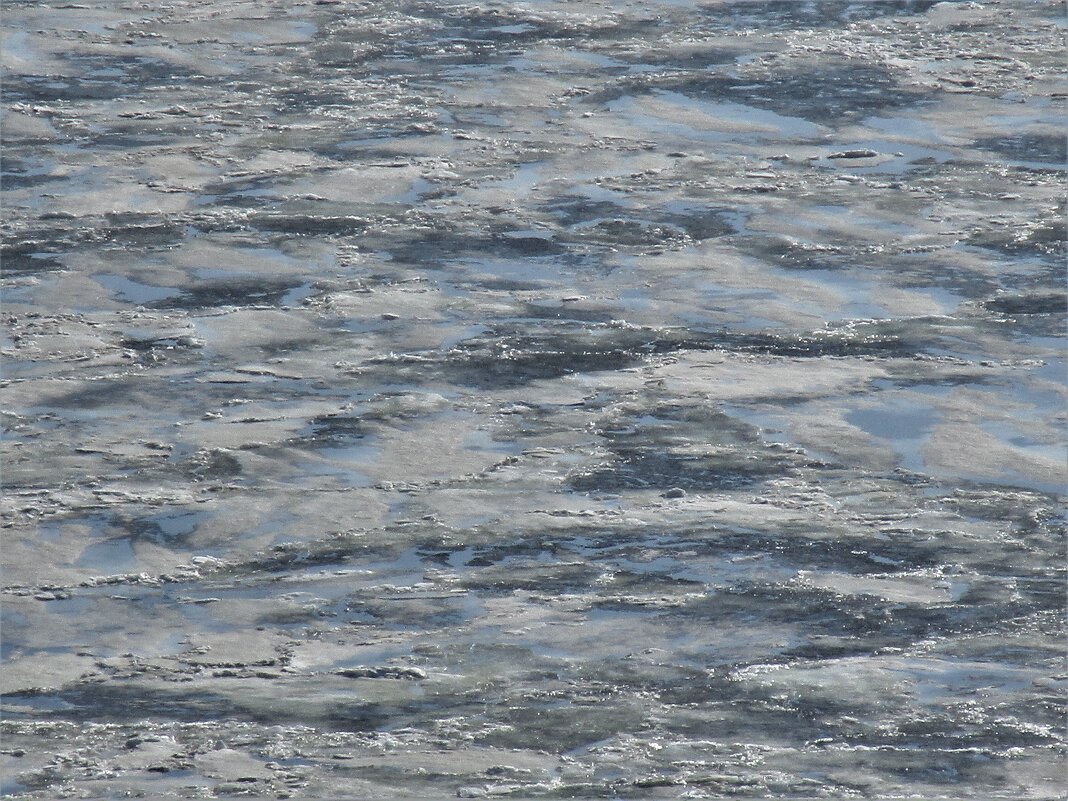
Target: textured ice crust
(411,400)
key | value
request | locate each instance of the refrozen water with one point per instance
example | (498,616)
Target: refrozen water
(536,399)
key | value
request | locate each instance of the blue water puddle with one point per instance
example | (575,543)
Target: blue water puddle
(379,654)
(737,217)
(17,46)
(131,291)
(522,27)
(43,168)
(106,554)
(770,422)
(338,462)
(12,786)
(104,72)
(854,218)
(534,271)
(209,199)
(915,140)
(469,332)
(1029,445)
(482,440)
(404,568)
(414,194)
(897,163)
(11,623)
(279,528)
(110,556)
(115,549)
(1055,370)
(794,128)
(933,679)
(176,524)
(948,299)
(857,303)
(524,179)
(40,703)
(1038,402)
(299,32)
(902,424)
(635,300)
(908,127)
(532,176)
(768,124)
(294,296)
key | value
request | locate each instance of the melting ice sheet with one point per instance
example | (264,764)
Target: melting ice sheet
(546,400)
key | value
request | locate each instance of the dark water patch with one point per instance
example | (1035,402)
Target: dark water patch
(788,252)
(1031,513)
(335,430)
(17,174)
(340,550)
(629,233)
(449,244)
(787,547)
(649,467)
(567,311)
(25,259)
(54,235)
(878,622)
(240,190)
(96,82)
(138,292)
(1028,147)
(133,230)
(881,338)
(649,582)
(507,359)
(119,392)
(510,28)
(555,727)
(127,703)
(518,246)
(576,209)
(109,556)
(702,225)
(611,223)
(535,577)
(1029,304)
(310,94)
(509,285)
(408,612)
(13,786)
(308,224)
(169,529)
(513,368)
(152,350)
(1046,239)
(120,139)
(792,14)
(844,90)
(238,201)
(50,89)
(207,464)
(250,291)
(832,92)
(1041,592)
(681,58)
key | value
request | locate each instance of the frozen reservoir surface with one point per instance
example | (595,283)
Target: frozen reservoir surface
(533,399)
